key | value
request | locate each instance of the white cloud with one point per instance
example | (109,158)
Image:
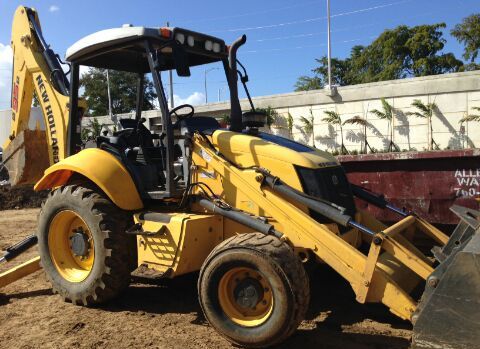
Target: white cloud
(195,98)
(54,8)
(6,60)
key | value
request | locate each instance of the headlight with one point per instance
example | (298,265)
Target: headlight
(208,45)
(190,41)
(180,38)
(216,47)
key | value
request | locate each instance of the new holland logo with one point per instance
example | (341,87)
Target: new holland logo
(47,108)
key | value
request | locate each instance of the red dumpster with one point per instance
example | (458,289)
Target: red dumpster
(425,182)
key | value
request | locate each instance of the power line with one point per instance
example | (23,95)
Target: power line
(308,46)
(254,13)
(314,34)
(312,19)
(345,29)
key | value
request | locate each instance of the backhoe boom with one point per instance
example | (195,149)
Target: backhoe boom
(36,70)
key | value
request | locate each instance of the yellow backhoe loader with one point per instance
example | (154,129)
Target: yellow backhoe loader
(245,209)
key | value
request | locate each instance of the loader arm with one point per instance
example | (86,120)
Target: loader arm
(302,231)
(36,69)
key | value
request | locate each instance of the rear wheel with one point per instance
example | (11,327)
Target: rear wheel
(254,290)
(83,246)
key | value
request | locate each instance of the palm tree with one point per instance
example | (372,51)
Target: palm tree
(225,119)
(425,111)
(358,120)
(333,118)
(468,118)
(471,117)
(92,131)
(387,114)
(309,126)
(290,124)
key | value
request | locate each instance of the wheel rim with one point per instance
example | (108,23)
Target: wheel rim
(71,246)
(245,296)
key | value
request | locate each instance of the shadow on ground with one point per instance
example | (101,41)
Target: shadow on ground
(332,312)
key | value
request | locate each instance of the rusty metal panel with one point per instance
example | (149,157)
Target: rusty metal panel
(428,183)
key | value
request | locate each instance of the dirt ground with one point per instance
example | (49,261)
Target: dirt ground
(21,197)
(167,314)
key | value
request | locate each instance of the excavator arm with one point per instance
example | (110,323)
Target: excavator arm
(36,70)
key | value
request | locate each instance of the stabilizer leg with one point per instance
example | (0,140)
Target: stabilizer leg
(20,271)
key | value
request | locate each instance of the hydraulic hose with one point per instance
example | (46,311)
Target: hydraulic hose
(324,209)
(240,217)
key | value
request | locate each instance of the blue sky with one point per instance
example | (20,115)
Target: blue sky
(284,37)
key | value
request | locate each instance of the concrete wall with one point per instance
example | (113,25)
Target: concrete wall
(455,95)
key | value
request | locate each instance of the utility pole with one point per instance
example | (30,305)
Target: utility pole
(205,81)
(109,97)
(331,90)
(329,48)
(220,92)
(170,76)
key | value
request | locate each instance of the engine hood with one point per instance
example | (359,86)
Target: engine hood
(248,150)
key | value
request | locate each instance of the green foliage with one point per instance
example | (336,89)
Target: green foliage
(225,118)
(290,123)
(468,33)
(397,53)
(425,111)
(471,117)
(387,113)
(123,90)
(308,124)
(92,131)
(356,120)
(332,118)
(306,83)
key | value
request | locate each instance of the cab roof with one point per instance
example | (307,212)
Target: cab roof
(123,48)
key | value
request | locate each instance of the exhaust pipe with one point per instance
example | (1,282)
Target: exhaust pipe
(235,109)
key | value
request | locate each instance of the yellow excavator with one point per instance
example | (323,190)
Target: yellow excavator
(244,208)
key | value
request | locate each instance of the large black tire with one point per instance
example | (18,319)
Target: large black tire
(114,251)
(270,259)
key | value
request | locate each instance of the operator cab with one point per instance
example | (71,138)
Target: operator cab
(158,162)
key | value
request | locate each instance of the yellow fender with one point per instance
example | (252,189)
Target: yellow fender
(103,169)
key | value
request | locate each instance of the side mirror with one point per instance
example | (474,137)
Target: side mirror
(180,59)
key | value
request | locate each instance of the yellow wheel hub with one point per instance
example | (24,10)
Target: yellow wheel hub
(71,247)
(245,296)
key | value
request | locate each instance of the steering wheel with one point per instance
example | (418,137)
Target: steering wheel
(183,116)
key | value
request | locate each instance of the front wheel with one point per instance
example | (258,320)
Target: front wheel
(254,290)
(83,247)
